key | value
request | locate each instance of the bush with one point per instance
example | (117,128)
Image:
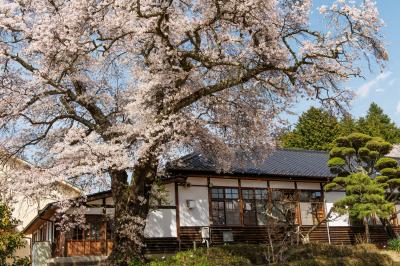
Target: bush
(203,257)
(256,254)
(343,255)
(394,244)
(302,255)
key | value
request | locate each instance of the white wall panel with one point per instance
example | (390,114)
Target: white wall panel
(281,184)
(109,201)
(170,194)
(254,183)
(161,223)
(96,202)
(330,198)
(225,182)
(199,214)
(304,185)
(197,181)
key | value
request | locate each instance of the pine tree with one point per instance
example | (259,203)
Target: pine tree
(369,179)
(365,199)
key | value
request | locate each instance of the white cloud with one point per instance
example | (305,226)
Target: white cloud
(364,90)
(379,90)
(392,81)
(398,108)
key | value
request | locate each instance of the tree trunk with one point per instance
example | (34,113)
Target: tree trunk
(131,203)
(366,225)
(389,229)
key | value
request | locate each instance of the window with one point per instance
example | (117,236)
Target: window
(109,229)
(77,233)
(225,206)
(311,207)
(42,233)
(90,232)
(284,204)
(289,206)
(94,231)
(254,206)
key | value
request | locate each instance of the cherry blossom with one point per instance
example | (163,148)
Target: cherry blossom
(105,92)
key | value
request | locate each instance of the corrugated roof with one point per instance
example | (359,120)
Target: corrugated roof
(281,162)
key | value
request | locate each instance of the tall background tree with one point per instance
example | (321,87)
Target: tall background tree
(378,124)
(317,129)
(108,90)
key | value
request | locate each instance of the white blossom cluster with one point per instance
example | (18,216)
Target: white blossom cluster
(88,87)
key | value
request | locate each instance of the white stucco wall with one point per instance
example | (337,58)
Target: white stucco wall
(309,185)
(330,198)
(254,183)
(109,201)
(41,252)
(226,182)
(281,184)
(170,197)
(161,223)
(199,214)
(197,181)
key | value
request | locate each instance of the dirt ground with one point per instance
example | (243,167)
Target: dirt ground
(393,254)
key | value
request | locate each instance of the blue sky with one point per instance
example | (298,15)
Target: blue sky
(380,87)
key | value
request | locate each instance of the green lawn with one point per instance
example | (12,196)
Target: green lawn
(302,255)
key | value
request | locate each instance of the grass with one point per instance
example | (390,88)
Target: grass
(203,257)
(302,255)
(337,255)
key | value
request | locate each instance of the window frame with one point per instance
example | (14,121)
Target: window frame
(225,200)
(269,203)
(254,201)
(313,202)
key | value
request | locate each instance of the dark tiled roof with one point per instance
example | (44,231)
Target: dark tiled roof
(281,162)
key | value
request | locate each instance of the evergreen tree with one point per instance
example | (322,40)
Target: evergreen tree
(371,181)
(378,124)
(348,125)
(315,130)
(365,199)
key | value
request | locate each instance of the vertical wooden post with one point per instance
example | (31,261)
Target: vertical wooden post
(103,230)
(210,220)
(178,223)
(241,203)
(297,197)
(63,248)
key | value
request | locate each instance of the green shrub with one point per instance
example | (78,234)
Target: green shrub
(302,255)
(203,257)
(343,255)
(256,254)
(394,244)
(386,163)
(336,162)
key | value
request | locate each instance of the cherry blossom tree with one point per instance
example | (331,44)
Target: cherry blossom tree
(109,89)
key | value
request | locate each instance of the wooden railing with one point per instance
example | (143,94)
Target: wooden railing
(88,247)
